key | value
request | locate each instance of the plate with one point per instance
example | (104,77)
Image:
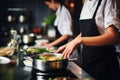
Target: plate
(4,60)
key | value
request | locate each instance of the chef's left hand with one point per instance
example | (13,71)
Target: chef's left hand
(46,44)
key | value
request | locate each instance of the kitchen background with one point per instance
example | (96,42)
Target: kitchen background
(28,15)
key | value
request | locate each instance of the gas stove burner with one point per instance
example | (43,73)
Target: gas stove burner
(55,72)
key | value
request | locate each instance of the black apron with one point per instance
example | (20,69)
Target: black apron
(59,35)
(99,61)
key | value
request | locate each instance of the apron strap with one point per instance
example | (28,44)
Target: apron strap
(97,8)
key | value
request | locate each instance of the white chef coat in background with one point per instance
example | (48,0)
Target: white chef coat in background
(63,21)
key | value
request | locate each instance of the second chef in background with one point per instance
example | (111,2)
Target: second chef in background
(63,23)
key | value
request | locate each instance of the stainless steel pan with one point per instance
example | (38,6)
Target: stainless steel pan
(44,65)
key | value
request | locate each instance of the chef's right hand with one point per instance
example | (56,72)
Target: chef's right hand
(47,45)
(68,48)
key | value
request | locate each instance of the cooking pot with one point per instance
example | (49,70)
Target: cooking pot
(54,65)
(28,38)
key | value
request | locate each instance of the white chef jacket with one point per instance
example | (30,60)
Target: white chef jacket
(106,13)
(63,21)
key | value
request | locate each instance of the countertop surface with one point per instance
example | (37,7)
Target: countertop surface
(16,70)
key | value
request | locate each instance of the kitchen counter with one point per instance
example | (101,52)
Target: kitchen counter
(16,70)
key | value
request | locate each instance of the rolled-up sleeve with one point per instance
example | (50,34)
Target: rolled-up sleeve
(66,28)
(110,13)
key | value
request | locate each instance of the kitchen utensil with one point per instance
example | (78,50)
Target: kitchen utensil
(52,65)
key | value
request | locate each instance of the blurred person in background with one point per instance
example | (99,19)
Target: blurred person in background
(63,23)
(98,35)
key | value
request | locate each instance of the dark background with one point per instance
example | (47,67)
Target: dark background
(34,11)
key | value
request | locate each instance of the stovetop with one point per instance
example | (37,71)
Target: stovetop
(72,72)
(63,74)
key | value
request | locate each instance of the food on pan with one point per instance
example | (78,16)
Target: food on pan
(35,50)
(39,50)
(51,49)
(50,57)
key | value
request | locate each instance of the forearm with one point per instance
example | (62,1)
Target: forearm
(111,37)
(59,40)
(98,41)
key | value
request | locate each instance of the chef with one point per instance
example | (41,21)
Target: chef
(63,23)
(98,35)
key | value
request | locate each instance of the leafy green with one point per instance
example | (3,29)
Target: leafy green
(50,20)
(36,50)
(61,58)
(42,58)
(44,50)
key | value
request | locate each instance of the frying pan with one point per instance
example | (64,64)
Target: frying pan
(47,66)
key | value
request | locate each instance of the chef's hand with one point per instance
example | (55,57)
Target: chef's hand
(45,44)
(68,48)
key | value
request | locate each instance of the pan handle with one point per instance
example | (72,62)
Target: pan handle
(28,58)
(72,59)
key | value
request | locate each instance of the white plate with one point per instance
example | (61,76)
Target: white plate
(4,60)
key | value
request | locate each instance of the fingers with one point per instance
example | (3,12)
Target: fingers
(43,43)
(60,49)
(66,55)
(64,51)
(81,34)
(47,45)
(67,52)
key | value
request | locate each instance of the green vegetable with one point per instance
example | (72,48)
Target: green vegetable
(61,58)
(50,20)
(43,50)
(36,50)
(50,79)
(42,58)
